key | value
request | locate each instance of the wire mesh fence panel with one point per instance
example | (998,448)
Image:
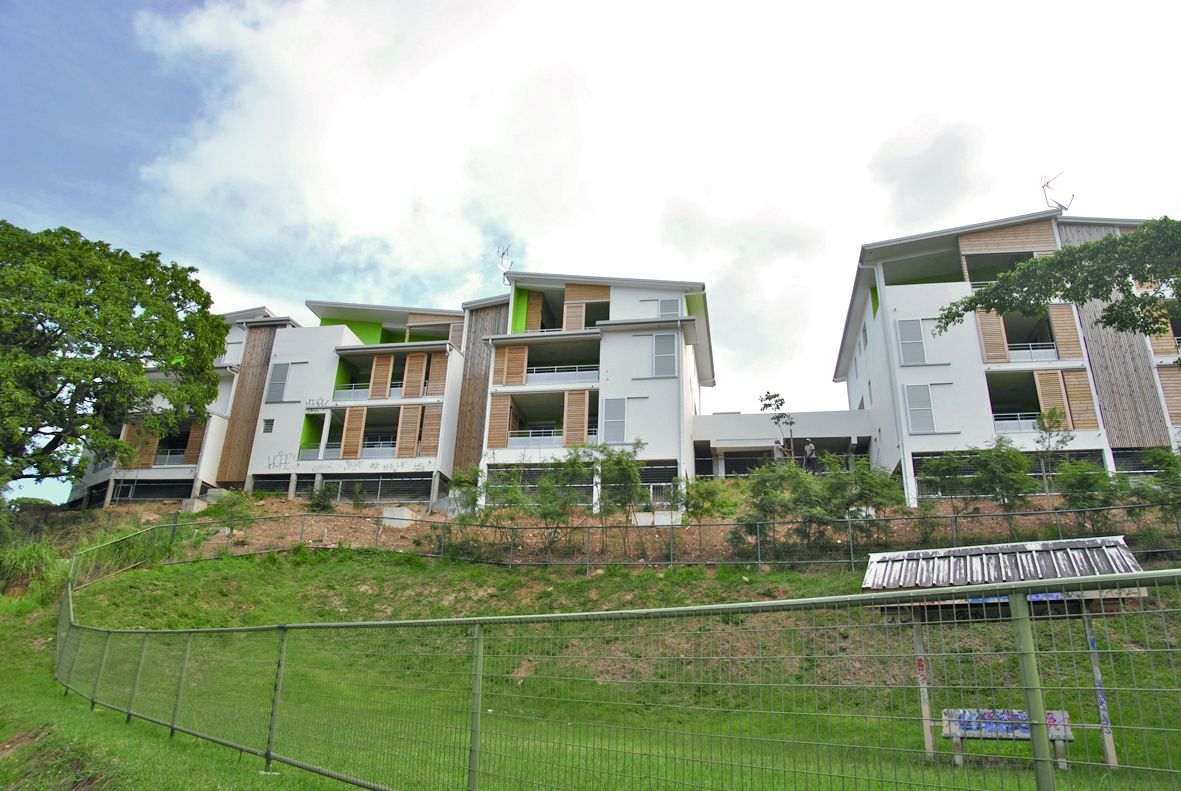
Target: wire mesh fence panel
(159,677)
(118,671)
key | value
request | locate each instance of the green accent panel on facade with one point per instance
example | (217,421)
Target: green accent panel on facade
(392,336)
(945,277)
(695,305)
(367,331)
(417,337)
(873,299)
(313,426)
(520,309)
(342,373)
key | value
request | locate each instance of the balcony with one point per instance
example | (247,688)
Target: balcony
(1014,422)
(354,392)
(1032,352)
(378,447)
(169,458)
(561,374)
(535,438)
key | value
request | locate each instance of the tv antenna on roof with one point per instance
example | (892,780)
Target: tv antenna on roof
(504,262)
(1053,204)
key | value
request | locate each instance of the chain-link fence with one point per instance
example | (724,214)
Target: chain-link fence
(1073,683)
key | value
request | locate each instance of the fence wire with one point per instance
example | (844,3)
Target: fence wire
(1074,684)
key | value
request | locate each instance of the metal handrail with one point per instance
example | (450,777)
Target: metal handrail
(169,458)
(536,432)
(560,369)
(1004,416)
(353,386)
(1040,346)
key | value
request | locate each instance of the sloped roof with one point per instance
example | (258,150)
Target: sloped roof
(990,563)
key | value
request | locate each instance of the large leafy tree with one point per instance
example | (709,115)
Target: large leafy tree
(1137,274)
(90,335)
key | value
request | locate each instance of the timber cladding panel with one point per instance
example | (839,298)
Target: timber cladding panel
(455,334)
(574,316)
(516,361)
(498,365)
(415,375)
(248,393)
(193,445)
(432,423)
(437,382)
(1028,237)
(993,342)
(353,433)
(500,411)
(1078,396)
(574,417)
(1164,345)
(1170,383)
(585,292)
(144,443)
(473,393)
(409,422)
(1122,367)
(379,376)
(1066,337)
(418,319)
(533,311)
(1051,394)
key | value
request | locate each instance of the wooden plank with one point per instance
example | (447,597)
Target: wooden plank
(499,415)
(993,342)
(379,376)
(499,367)
(248,394)
(432,422)
(193,445)
(587,292)
(1065,329)
(1051,394)
(1076,233)
(144,443)
(418,319)
(414,377)
(354,432)
(1082,405)
(515,364)
(1027,237)
(1170,383)
(409,424)
(473,392)
(1164,345)
(437,382)
(574,417)
(533,311)
(455,334)
(574,316)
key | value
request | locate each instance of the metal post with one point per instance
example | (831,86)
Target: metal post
(303,524)
(955,530)
(101,667)
(512,540)
(1031,681)
(180,685)
(376,531)
(275,700)
(1100,692)
(672,544)
(172,537)
(473,754)
(920,659)
(139,669)
(849,532)
(73,661)
(759,541)
(588,549)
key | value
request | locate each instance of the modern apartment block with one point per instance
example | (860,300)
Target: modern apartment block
(928,394)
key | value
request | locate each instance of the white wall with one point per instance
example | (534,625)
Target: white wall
(625,371)
(211,447)
(640,303)
(445,460)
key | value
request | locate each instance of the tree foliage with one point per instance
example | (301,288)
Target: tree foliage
(90,335)
(1002,475)
(1136,274)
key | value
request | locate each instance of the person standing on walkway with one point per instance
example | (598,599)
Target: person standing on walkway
(809,456)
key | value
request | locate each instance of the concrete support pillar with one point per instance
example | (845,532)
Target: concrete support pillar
(291,487)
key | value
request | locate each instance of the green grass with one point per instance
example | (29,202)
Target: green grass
(821,699)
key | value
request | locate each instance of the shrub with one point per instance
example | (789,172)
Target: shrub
(23,564)
(321,501)
(358,497)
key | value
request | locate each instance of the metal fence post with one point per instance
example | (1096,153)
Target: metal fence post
(139,669)
(849,532)
(473,754)
(1031,681)
(101,667)
(759,541)
(955,530)
(73,662)
(275,700)
(303,523)
(180,685)
(172,537)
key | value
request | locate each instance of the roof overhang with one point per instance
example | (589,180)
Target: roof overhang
(535,338)
(386,314)
(372,349)
(486,302)
(543,280)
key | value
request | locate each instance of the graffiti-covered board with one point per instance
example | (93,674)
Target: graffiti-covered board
(1001,724)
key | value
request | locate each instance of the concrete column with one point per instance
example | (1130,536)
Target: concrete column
(291,487)
(324,437)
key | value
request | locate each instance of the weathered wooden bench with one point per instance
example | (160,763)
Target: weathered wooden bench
(1011,724)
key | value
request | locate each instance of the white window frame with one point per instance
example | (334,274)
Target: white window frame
(658,356)
(912,410)
(268,425)
(911,344)
(668,308)
(280,373)
(607,423)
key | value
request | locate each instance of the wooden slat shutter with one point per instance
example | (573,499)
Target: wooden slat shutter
(498,365)
(438,379)
(993,340)
(432,422)
(574,316)
(144,442)
(1051,394)
(354,432)
(418,319)
(193,446)
(379,376)
(1065,330)
(586,292)
(1031,237)
(533,312)
(1164,344)
(455,334)
(516,361)
(415,375)
(574,418)
(1170,383)
(409,420)
(499,411)
(1082,403)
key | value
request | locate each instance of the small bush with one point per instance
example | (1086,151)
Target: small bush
(320,501)
(23,564)
(358,497)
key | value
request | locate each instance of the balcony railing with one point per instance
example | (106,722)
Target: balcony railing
(535,438)
(169,458)
(354,392)
(546,329)
(555,374)
(378,447)
(1032,352)
(979,284)
(1014,422)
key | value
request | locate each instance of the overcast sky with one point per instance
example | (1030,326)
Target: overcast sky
(381,151)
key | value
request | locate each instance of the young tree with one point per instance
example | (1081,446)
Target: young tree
(950,474)
(621,490)
(1084,485)
(1002,475)
(773,403)
(1164,487)
(558,497)
(1053,435)
(858,492)
(708,499)
(89,336)
(1108,269)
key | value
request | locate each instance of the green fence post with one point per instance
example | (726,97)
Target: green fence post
(955,531)
(759,542)
(849,532)
(180,685)
(73,661)
(473,753)
(275,699)
(139,669)
(98,677)
(172,538)
(1031,681)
